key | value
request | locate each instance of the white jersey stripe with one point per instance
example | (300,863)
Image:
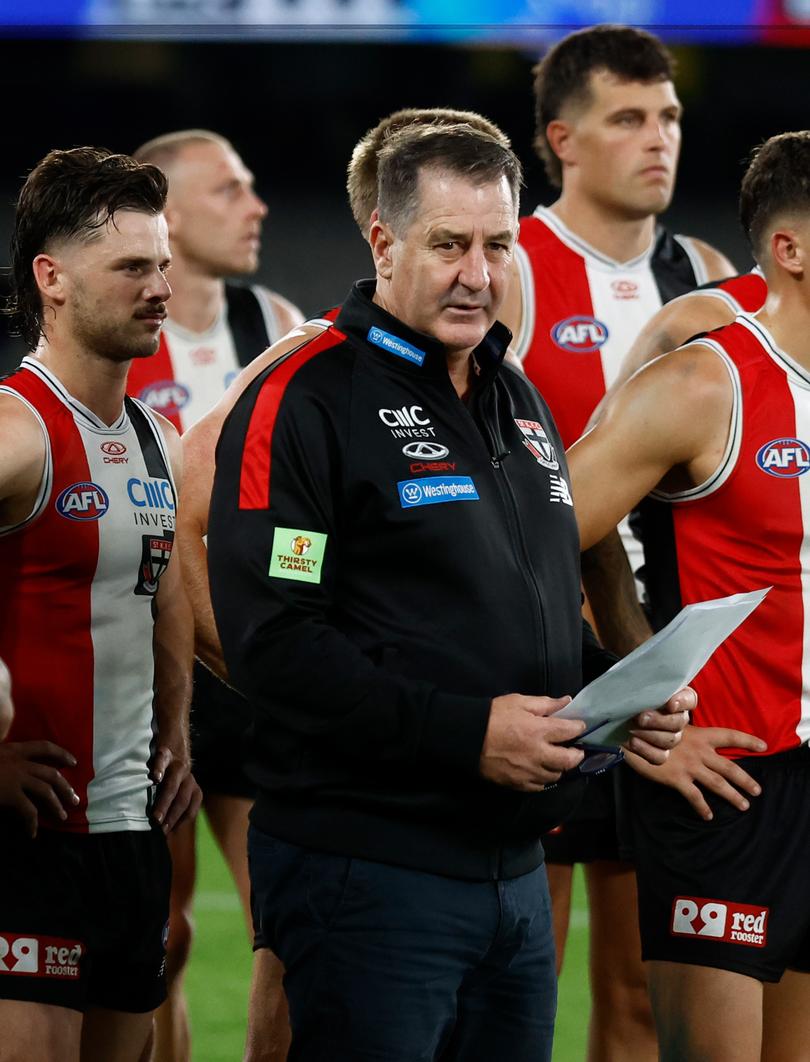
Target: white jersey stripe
(268,313)
(695,257)
(522,341)
(798,392)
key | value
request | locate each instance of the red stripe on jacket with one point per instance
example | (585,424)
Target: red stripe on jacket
(254,480)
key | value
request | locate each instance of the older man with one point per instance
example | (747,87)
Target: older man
(392,546)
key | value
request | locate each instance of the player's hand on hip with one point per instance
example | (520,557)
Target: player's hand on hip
(6,704)
(656,732)
(523,745)
(179,796)
(696,762)
(30,781)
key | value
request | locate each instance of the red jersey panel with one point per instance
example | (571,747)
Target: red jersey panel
(582,311)
(748,527)
(78,579)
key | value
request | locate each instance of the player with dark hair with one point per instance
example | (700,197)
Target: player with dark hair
(590,270)
(723,899)
(214,328)
(95,626)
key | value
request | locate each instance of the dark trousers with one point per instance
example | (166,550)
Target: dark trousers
(398,965)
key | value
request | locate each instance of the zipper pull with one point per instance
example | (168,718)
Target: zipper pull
(498,458)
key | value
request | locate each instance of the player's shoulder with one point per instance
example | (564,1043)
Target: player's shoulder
(716,266)
(286,313)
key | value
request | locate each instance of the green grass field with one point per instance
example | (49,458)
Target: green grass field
(219,974)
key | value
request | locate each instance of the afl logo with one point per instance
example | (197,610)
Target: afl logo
(785,458)
(165,396)
(580,334)
(83,501)
(427,451)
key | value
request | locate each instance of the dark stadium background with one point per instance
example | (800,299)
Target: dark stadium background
(294,111)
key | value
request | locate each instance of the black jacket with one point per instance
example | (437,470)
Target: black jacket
(385,559)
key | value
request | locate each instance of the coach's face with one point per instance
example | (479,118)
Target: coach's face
(622,147)
(446,274)
(108,293)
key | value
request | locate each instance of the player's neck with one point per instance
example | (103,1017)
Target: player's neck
(98,383)
(197,298)
(786,315)
(612,234)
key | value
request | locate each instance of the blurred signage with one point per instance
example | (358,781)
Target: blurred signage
(512,21)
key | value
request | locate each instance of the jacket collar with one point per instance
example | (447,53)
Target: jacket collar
(406,350)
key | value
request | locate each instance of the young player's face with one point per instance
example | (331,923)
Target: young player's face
(450,269)
(624,146)
(115,287)
(215,217)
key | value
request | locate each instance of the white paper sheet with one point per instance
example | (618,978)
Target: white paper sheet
(653,672)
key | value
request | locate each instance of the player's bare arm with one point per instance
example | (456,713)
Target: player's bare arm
(30,781)
(179,795)
(673,325)
(667,427)
(199,447)
(674,417)
(610,588)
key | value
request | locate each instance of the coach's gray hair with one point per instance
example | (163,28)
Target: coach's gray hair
(457,149)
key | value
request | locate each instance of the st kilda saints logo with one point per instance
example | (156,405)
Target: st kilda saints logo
(155,553)
(537,443)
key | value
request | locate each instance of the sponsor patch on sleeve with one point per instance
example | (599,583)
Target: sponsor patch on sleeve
(297,555)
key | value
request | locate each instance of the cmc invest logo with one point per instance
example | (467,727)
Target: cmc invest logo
(579,334)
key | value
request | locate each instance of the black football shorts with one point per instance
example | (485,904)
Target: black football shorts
(84,918)
(733,893)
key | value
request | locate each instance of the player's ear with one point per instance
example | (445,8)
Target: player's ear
(559,136)
(788,250)
(49,278)
(381,240)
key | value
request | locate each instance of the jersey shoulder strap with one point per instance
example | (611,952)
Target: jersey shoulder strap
(246,322)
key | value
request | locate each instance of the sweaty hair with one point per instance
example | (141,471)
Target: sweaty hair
(562,76)
(777,181)
(361,183)
(163,150)
(456,149)
(71,195)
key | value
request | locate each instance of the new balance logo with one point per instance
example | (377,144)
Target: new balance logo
(731,923)
(559,490)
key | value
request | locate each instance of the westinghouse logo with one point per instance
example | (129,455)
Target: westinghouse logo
(395,345)
(432,490)
(49,957)
(731,923)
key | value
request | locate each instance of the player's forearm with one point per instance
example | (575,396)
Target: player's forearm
(174,655)
(195,577)
(611,591)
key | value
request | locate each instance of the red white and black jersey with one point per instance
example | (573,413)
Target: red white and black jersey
(748,527)
(582,311)
(191,370)
(744,293)
(78,578)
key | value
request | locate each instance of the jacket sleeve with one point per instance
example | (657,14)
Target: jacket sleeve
(275,567)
